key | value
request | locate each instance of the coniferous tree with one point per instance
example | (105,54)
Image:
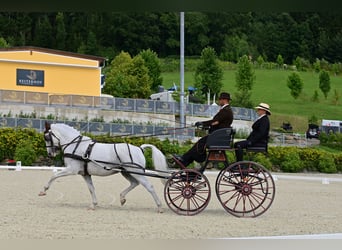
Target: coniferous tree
(154,69)
(60,32)
(245,78)
(208,74)
(324,83)
(295,84)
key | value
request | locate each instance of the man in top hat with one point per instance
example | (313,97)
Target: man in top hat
(223,119)
(260,132)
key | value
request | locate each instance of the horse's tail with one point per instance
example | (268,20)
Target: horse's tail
(158,159)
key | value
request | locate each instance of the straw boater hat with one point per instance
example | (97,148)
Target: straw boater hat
(265,107)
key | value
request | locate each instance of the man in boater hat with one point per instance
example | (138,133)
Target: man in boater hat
(260,132)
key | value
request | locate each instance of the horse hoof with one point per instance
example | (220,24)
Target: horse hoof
(122,201)
(41,193)
(160,210)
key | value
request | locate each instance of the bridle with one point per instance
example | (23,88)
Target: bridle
(48,137)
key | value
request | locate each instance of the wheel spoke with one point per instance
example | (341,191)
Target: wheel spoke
(189,195)
(245,189)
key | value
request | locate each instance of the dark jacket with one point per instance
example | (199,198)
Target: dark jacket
(260,131)
(224,117)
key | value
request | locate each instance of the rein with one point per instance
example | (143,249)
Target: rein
(130,135)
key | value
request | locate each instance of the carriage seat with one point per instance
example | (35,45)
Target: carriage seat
(257,149)
(221,139)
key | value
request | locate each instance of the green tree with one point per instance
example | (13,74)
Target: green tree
(208,74)
(154,67)
(317,65)
(139,81)
(324,83)
(315,97)
(280,61)
(234,47)
(3,43)
(260,61)
(116,75)
(295,84)
(128,77)
(169,34)
(336,97)
(60,31)
(44,33)
(244,77)
(90,47)
(196,26)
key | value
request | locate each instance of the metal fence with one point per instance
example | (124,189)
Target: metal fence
(114,104)
(97,128)
(119,104)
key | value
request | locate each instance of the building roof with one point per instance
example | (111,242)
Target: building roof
(101,60)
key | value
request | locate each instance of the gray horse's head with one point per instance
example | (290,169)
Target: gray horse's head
(51,141)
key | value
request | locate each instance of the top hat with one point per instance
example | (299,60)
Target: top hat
(224,95)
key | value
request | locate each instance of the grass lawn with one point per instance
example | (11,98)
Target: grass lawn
(271,87)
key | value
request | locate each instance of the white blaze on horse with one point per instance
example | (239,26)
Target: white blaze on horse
(86,157)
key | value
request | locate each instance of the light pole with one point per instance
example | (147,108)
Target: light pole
(181,107)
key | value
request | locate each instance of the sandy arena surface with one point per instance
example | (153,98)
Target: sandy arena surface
(300,207)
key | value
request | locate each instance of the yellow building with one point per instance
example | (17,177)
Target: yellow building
(50,71)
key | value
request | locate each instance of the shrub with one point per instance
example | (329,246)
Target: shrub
(309,157)
(326,164)
(338,161)
(331,140)
(276,155)
(25,153)
(292,163)
(263,160)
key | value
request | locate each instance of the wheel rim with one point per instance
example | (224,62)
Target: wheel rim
(187,192)
(245,189)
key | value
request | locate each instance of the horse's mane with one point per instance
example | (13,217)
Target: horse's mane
(65,129)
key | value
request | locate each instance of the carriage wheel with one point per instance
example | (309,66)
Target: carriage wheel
(245,189)
(187,192)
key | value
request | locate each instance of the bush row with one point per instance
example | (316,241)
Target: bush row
(21,144)
(27,146)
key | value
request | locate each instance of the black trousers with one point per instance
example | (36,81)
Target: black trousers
(197,152)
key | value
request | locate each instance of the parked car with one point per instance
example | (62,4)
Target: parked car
(313,131)
(287,127)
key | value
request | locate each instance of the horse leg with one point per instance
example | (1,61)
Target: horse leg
(149,187)
(91,188)
(57,175)
(133,183)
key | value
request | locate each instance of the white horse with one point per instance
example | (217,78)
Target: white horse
(85,157)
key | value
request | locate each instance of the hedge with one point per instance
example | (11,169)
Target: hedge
(27,145)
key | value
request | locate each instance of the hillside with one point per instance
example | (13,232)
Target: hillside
(270,87)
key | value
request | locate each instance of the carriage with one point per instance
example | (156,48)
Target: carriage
(244,188)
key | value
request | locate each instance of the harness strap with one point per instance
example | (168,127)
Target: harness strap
(78,143)
(84,158)
(129,151)
(89,149)
(116,152)
(73,156)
